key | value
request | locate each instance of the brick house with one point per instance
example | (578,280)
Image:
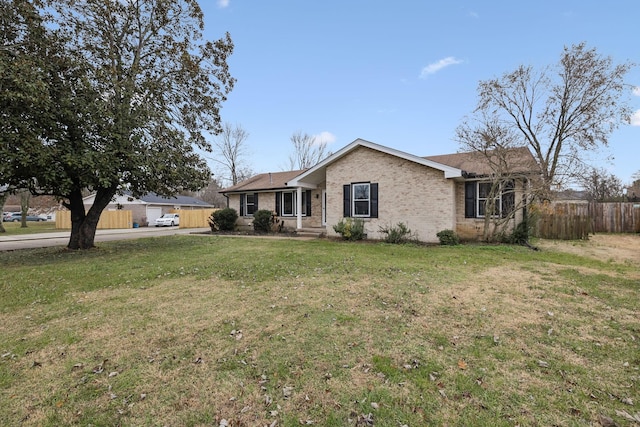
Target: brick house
(384,186)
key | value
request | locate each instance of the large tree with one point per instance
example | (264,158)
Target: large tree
(510,169)
(130,90)
(307,151)
(230,150)
(559,112)
(602,186)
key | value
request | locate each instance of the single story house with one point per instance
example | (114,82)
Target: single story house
(147,208)
(384,186)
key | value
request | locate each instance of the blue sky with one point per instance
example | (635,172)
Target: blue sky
(402,74)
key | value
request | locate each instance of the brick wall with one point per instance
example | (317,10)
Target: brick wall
(414,194)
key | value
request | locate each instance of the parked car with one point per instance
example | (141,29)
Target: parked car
(17,216)
(168,219)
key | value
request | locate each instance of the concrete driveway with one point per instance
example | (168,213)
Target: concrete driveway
(43,240)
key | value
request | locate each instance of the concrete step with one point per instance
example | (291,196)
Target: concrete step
(311,232)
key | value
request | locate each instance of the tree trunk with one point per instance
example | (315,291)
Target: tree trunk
(3,199)
(84,224)
(25,197)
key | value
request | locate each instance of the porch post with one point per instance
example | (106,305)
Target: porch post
(299,208)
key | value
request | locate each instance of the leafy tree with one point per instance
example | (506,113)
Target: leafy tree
(602,186)
(230,149)
(123,98)
(559,113)
(307,151)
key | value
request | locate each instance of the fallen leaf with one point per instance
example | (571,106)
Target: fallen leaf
(606,421)
(628,416)
(627,401)
(462,364)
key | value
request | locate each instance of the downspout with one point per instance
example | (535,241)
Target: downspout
(299,208)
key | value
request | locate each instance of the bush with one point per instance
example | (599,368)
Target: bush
(262,221)
(223,220)
(521,234)
(448,237)
(398,234)
(350,228)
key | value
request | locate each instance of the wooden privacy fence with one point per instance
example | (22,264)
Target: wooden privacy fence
(570,221)
(108,219)
(196,218)
(562,227)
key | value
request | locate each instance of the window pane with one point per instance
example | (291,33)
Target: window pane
(484,189)
(361,208)
(287,204)
(361,191)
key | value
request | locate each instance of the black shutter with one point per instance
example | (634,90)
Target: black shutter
(470,199)
(242,198)
(508,198)
(255,202)
(374,200)
(278,198)
(346,197)
(308,202)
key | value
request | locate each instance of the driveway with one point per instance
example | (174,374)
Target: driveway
(43,240)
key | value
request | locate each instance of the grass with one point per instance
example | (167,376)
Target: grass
(33,227)
(191,330)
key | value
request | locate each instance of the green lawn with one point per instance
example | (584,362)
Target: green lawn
(33,227)
(194,330)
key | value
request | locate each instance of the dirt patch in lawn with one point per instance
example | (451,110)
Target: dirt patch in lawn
(619,248)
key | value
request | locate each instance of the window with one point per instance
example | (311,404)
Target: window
(486,201)
(479,198)
(248,204)
(361,200)
(286,203)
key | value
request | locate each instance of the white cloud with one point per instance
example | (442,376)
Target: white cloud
(635,118)
(326,137)
(223,3)
(636,90)
(439,65)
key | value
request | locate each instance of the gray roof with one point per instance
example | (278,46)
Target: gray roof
(156,199)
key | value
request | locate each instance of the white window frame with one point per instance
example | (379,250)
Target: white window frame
(246,204)
(294,199)
(481,201)
(354,200)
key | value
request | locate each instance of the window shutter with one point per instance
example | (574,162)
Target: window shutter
(242,199)
(470,199)
(346,211)
(255,202)
(278,199)
(373,188)
(508,198)
(308,202)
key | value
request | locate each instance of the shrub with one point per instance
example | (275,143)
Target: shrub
(262,221)
(350,228)
(448,237)
(398,234)
(223,220)
(523,231)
